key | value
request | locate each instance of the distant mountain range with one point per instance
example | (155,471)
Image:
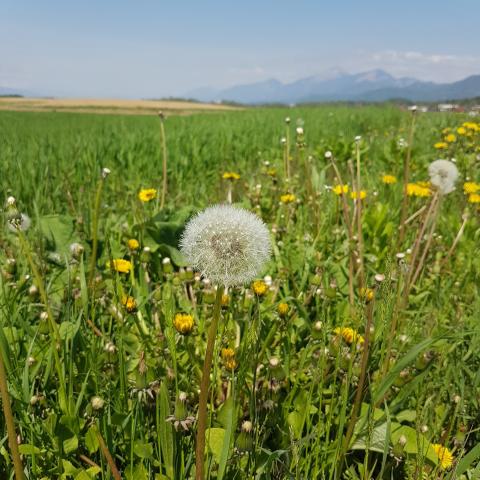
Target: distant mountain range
(337,85)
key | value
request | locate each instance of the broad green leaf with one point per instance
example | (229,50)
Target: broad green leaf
(215,438)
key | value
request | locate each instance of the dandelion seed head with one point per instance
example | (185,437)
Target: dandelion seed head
(20,222)
(227,244)
(443,175)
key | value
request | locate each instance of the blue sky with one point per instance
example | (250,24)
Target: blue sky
(153,48)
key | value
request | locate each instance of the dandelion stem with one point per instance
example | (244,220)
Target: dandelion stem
(287,153)
(358,203)
(164,160)
(93,256)
(204,385)
(361,381)
(51,322)
(427,245)
(108,456)
(406,178)
(7,413)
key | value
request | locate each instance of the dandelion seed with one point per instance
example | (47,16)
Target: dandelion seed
(227,244)
(443,175)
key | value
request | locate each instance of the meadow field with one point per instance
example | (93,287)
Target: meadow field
(355,352)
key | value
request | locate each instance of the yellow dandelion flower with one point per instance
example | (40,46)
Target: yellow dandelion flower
(444,455)
(129,303)
(418,190)
(471,187)
(183,323)
(355,195)
(232,176)
(461,130)
(474,198)
(349,335)
(259,287)
(147,194)
(389,179)
(441,145)
(228,357)
(133,244)
(451,137)
(120,265)
(367,294)
(283,309)
(340,189)
(225,300)
(288,198)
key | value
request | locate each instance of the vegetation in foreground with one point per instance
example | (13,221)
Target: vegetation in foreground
(354,355)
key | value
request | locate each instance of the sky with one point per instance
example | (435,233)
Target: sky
(159,48)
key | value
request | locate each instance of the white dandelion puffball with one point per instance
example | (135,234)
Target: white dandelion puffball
(20,222)
(443,175)
(228,245)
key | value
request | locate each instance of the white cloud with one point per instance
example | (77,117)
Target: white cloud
(437,67)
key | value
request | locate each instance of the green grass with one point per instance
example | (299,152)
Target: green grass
(295,379)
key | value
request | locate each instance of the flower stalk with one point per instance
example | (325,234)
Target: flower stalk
(10,423)
(204,387)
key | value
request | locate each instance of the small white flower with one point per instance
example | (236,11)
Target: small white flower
(328,154)
(105,172)
(283,140)
(287,119)
(443,175)
(11,201)
(166,261)
(227,244)
(299,131)
(358,138)
(413,108)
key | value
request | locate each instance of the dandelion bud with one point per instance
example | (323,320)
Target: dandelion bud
(283,309)
(110,347)
(379,277)
(424,429)
(402,440)
(167,265)
(34,400)
(44,316)
(30,361)
(76,249)
(183,323)
(97,402)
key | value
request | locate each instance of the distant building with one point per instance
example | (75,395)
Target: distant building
(449,107)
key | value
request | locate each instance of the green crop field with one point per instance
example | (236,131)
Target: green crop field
(354,353)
